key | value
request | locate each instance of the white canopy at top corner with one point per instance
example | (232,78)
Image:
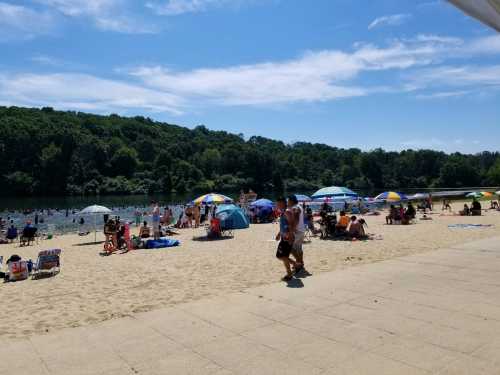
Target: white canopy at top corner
(486,11)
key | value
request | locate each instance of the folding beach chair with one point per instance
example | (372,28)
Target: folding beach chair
(227,228)
(18,270)
(48,263)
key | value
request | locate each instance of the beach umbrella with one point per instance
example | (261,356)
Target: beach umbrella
(260,203)
(486,194)
(391,196)
(212,198)
(419,196)
(94,211)
(302,198)
(498,193)
(335,192)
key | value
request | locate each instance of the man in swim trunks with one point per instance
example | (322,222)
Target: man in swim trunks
(285,236)
(298,229)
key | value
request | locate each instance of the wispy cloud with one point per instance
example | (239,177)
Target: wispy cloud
(443,95)
(315,76)
(84,92)
(389,20)
(106,15)
(20,22)
(458,76)
(176,7)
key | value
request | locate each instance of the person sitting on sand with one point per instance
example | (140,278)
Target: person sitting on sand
(465,211)
(476,208)
(392,215)
(356,229)
(144,230)
(494,205)
(343,222)
(11,232)
(410,211)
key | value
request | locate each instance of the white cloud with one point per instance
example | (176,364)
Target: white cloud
(389,20)
(316,76)
(106,15)
(176,7)
(84,92)
(458,76)
(19,22)
(443,95)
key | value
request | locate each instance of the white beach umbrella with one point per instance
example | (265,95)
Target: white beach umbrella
(95,210)
(498,193)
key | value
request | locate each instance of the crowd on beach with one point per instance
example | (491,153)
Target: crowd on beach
(297,221)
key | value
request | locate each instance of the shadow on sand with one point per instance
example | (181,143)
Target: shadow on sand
(89,243)
(207,239)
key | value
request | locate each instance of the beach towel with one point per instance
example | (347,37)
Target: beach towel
(469,226)
(161,243)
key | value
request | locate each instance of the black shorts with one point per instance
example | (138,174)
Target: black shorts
(284,249)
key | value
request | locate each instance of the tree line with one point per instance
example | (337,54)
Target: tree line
(49,152)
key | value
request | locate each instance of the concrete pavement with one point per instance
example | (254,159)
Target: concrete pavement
(431,313)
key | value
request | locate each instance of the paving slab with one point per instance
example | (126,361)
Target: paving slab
(432,313)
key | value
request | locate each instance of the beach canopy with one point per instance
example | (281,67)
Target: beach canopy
(261,203)
(302,198)
(95,210)
(212,198)
(391,196)
(335,193)
(232,217)
(486,11)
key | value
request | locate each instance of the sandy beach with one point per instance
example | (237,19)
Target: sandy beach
(92,288)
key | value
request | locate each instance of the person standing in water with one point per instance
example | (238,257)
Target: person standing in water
(156,220)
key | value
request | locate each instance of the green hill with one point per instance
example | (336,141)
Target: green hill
(48,152)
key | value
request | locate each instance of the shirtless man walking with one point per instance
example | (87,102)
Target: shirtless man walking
(298,229)
(285,236)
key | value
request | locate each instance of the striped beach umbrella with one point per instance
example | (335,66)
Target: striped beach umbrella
(212,198)
(391,196)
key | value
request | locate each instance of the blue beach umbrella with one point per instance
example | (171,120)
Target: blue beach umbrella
(260,203)
(335,193)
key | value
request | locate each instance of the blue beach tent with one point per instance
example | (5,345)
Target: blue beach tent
(232,217)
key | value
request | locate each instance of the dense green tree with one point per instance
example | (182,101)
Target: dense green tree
(52,152)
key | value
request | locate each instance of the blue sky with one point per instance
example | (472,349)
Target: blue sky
(394,74)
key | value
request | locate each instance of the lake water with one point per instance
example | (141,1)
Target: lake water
(60,214)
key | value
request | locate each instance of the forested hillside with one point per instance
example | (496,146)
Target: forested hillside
(61,153)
